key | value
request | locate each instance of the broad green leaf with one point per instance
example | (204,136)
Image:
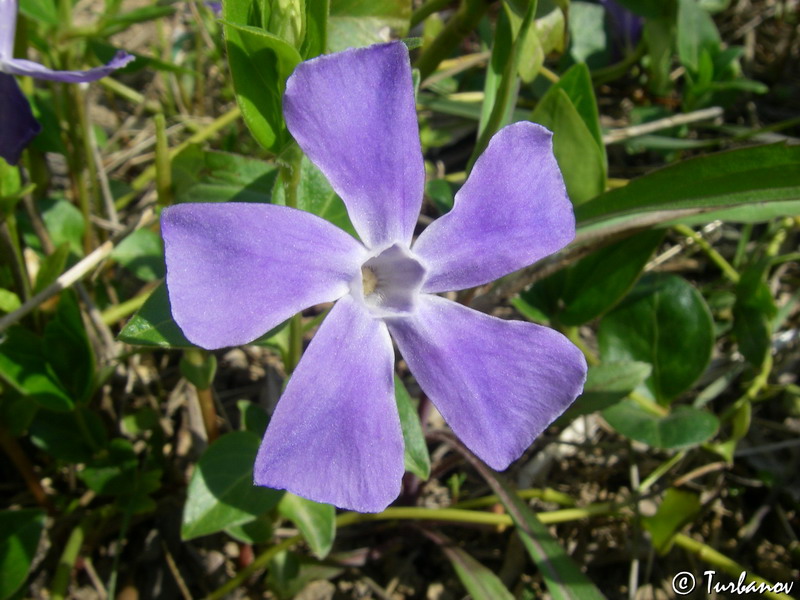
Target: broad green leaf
(684,427)
(582,162)
(221,493)
(290,572)
(479,581)
(677,509)
(51,267)
(69,436)
(66,347)
(258,531)
(9,301)
(142,253)
(208,176)
(577,83)
(153,325)
(354,23)
(664,321)
(564,578)
(64,223)
(607,384)
(416,457)
(697,34)
(659,34)
(595,284)
(22,366)
(550,26)
(253,418)
(260,63)
(43,11)
(115,472)
(20,532)
(315,195)
(587,33)
(752,313)
(759,174)
(316,39)
(316,521)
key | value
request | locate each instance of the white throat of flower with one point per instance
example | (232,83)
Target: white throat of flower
(389,282)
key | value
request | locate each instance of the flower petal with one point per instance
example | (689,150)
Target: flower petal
(20,66)
(353,113)
(512,211)
(335,436)
(497,383)
(8,26)
(17,124)
(236,270)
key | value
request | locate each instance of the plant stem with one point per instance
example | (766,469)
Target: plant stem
(199,359)
(731,567)
(290,176)
(25,468)
(163,162)
(460,25)
(67,561)
(715,256)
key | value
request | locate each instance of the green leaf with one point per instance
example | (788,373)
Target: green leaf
(354,23)
(315,195)
(607,384)
(142,253)
(564,578)
(682,428)
(678,508)
(253,418)
(753,175)
(9,301)
(64,223)
(258,531)
(51,267)
(659,34)
(23,366)
(696,34)
(20,532)
(664,321)
(596,283)
(221,493)
(479,581)
(577,83)
(582,162)
(587,33)
(208,176)
(69,436)
(121,22)
(752,313)
(316,521)
(153,324)
(316,39)
(43,11)
(66,347)
(260,63)
(416,457)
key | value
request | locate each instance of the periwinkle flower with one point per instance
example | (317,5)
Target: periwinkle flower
(626,28)
(17,123)
(236,270)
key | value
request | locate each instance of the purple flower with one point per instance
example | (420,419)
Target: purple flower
(235,270)
(17,123)
(215,7)
(626,27)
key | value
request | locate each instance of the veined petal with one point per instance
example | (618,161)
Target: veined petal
(236,270)
(512,211)
(17,124)
(20,66)
(8,26)
(335,436)
(497,383)
(353,113)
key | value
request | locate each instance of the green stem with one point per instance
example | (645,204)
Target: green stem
(415,513)
(163,162)
(708,555)
(546,494)
(149,173)
(290,176)
(660,471)
(460,25)
(58,589)
(124,309)
(715,256)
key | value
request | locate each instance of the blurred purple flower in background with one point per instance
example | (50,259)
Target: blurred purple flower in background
(215,7)
(17,123)
(236,270)
(626,27)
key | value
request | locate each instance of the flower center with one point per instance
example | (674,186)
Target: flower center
(390,282)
